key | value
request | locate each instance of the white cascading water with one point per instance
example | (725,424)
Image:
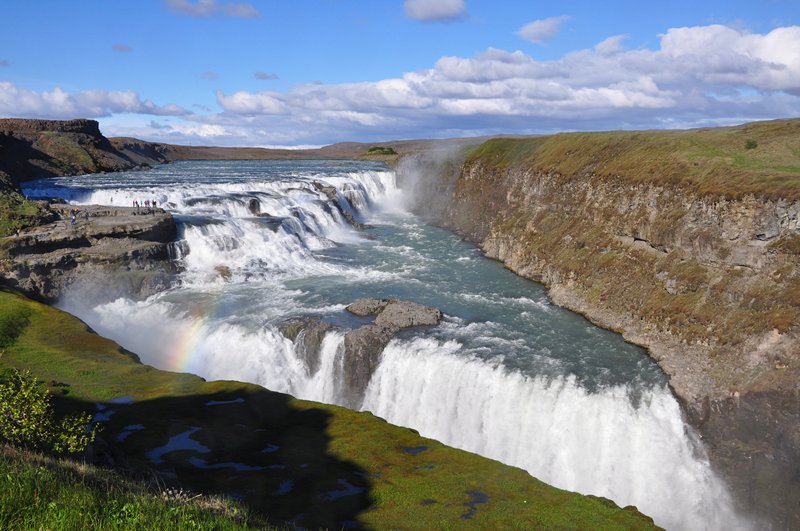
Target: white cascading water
(597,442)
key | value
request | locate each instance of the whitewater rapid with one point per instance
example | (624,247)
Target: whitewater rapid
(507,375)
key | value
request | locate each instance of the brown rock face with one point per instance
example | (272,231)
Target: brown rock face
(710,285)
(33,149)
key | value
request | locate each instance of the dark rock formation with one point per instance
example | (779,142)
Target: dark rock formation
(32,149)
(128,244)
(254,206)
(363,346)
(307,334)
(331,194)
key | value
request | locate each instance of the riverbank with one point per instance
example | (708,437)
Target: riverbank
(691,253)
(301,462)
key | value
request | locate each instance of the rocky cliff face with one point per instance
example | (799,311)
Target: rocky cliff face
(710,285)
(131,245)
(32,149)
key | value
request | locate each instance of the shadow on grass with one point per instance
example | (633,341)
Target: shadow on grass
(252,445)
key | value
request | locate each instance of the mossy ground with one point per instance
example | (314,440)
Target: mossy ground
(17,213)
(314,464)
(720,161)
(38,492)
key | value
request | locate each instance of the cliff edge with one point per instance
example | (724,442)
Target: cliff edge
(686,242)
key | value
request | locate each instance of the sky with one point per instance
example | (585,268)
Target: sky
(316,72)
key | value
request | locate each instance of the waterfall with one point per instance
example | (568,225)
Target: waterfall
(508,375)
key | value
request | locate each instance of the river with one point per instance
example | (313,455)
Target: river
(507,374)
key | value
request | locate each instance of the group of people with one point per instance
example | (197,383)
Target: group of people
(149,204)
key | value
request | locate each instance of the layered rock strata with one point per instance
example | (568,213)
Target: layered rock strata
(710,285)
(132,245)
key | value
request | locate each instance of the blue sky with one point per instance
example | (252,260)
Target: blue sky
(313,72)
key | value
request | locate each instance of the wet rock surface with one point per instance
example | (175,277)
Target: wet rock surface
(332,195)
(364,346)
(307,333)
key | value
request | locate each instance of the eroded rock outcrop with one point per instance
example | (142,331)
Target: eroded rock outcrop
(363,347)
(32,149)
(307,333)
(332,195)
(132,245)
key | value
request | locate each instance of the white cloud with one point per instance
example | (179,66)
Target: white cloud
(541,30)
(251,103)
(435,10)
(206,8)
(611,45)
(695,77)
(23,103)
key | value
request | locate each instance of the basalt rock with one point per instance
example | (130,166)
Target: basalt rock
(34,149)
(332,195)
(307,333)
(364,346)
(128,244)
(709,284)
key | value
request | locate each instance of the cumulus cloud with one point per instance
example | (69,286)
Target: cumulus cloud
(59,104)
(541,30)
(252,103)
(121,48)
(205,8)
(266,76)
(697,76)
(435,10)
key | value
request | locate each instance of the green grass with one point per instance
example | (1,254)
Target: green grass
(319,448)
(17,213)
(38,492)
(721,161)
(68,152)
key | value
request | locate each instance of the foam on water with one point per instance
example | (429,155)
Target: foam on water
(526,382)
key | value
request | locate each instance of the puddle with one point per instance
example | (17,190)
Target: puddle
(476,498)
(346,490)
(284,488)
(223,402)
(128,430)
(182,441)
(241,467)
(414,450)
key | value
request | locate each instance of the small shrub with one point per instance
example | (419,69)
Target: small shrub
(380,150)
(750,144)
(27,418)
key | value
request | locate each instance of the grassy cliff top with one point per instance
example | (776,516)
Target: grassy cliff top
(314,464)
(761,158)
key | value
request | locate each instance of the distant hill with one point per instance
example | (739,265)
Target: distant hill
(33,149)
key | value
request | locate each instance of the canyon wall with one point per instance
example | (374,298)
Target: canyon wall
(708,282)
(32,149)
